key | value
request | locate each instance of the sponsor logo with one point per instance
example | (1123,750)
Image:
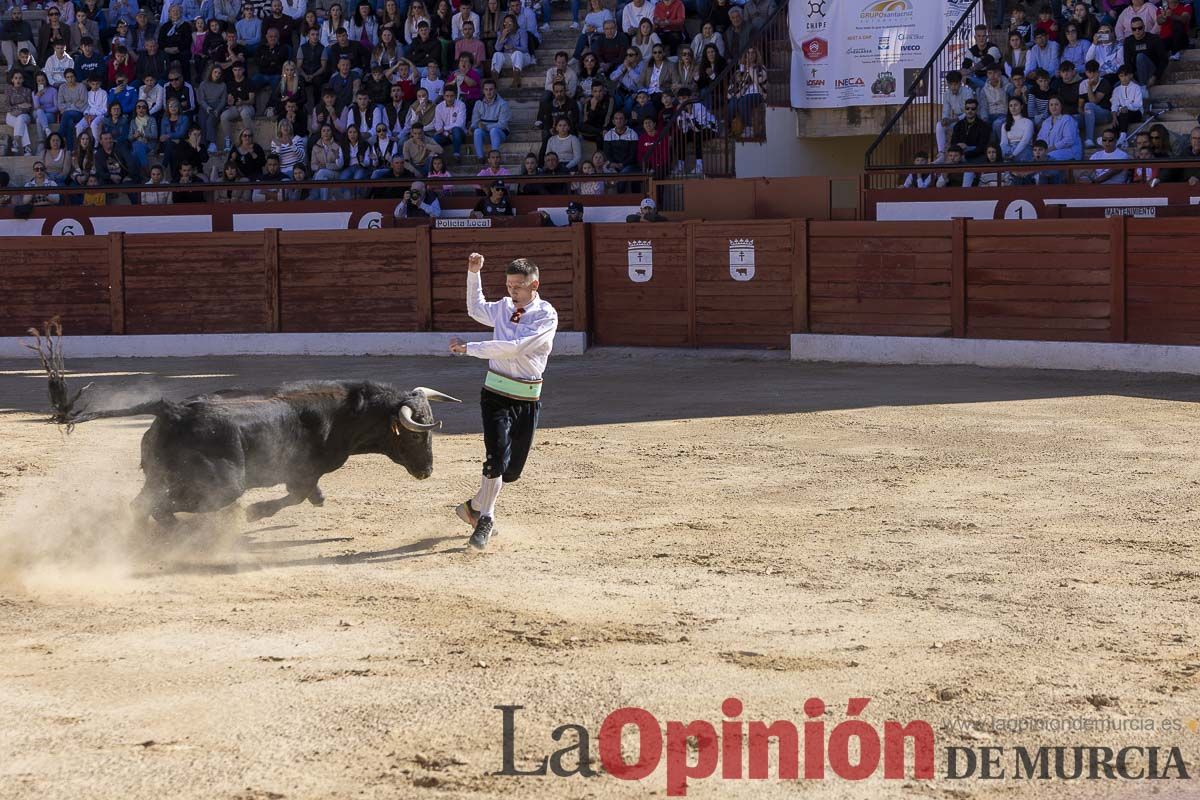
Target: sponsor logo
(881,9)
(816,49)
(884,85)
(848,83)
(817,8)
(815,84)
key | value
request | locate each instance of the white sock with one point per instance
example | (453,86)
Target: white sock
(489,490)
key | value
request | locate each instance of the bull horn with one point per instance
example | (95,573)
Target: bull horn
(411,424)
(434,396)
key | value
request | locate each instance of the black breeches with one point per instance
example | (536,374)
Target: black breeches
(508,427)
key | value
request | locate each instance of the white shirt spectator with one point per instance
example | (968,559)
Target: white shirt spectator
(1127,98)
(568,77)
(41,198)
(458,21)
(55,67)
(1115,155)
(153,98)
(156,198)
(97,103)
(295,8)
(633,15)
(446,118)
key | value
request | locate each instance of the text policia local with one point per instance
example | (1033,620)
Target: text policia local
(850,750)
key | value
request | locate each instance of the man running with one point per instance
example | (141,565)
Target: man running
(524,326)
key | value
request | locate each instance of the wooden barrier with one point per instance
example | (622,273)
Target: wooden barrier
(348,281)
(886,279)
(1044,280)
(552,249)
(70,279)
(745,283)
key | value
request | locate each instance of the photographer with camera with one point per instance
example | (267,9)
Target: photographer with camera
(418,203)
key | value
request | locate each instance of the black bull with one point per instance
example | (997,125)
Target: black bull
(201,454)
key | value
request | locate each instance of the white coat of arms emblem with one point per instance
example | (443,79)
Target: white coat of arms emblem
(641,261)
(741,259)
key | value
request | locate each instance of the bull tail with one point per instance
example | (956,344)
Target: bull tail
(153,407)
(47,344)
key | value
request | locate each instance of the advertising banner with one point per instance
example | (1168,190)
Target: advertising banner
(865,52)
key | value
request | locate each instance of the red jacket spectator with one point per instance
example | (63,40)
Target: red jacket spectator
(668,15)
(652,150)
(120,64)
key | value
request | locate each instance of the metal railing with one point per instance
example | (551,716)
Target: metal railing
(911,128)
(735,122)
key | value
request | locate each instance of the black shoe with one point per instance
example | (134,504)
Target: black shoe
(483,532)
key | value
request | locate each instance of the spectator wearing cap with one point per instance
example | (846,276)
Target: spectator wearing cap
(647,212)
(497,203)
(1145,53)
(574,212)
(142,33)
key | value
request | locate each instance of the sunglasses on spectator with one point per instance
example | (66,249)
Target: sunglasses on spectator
(39,169)
(1137,27)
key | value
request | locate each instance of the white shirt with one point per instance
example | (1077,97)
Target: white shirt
(447,118)
(1115,155)
(519,349)
(1127,98)
(55,67)
(632,16)
(295,8)
(457,22)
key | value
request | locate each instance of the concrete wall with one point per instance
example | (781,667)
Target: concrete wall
(785,155)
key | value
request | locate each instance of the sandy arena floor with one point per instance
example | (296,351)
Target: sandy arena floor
(955,544)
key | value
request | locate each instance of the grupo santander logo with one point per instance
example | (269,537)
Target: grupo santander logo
(886,8)
(816,49)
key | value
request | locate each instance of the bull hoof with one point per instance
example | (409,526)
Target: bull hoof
(254,514)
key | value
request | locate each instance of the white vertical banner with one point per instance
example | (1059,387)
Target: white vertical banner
(864,52)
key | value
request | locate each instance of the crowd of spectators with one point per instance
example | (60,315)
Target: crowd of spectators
(1072,80)
(116,92)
